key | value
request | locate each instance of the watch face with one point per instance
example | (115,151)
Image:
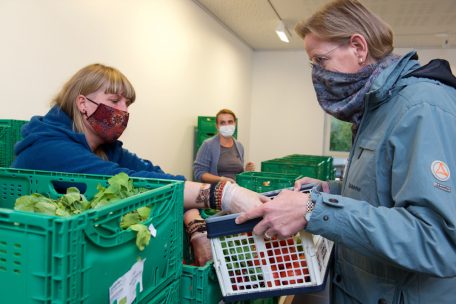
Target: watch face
(308,215)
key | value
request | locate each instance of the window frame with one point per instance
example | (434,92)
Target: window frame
(327,140)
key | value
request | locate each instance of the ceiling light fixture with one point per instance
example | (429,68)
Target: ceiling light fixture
(281,29)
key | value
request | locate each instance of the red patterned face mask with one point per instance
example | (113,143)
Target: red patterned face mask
(108,122)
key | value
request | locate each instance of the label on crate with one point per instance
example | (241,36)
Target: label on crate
(123,291)
(152,230)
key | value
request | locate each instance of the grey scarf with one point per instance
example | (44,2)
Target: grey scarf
(342,94)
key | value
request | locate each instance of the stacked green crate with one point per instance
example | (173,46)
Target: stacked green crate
(81,258)
(330,170)
(200,285)
(10,133)
(319,167)
(265,181)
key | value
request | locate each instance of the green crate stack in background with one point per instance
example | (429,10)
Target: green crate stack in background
(76,259)
(205,129)
(265,181)
(10,133)
(330,170)
(200,285)
(319,167)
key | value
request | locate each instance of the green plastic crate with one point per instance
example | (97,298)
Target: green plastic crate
(265,181)
(170,295)
(319,167)
(200,285)
(10,133)
(50,259)
(330,170)
(205,213)
(202,136)
(207,124)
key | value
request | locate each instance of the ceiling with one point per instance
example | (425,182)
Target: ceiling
(415,23)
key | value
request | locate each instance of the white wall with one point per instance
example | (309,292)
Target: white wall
(181,62)
(286,117)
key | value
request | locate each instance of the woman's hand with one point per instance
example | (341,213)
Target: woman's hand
(282,217)
(197,232)
(250,166)
(201,248)
(307,180)
(237,199)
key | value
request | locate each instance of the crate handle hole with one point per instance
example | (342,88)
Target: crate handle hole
(61,187)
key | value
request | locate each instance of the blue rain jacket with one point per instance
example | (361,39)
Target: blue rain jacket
(49,143)
(394,222)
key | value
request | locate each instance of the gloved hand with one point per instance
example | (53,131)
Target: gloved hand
(201,248)
(236,199)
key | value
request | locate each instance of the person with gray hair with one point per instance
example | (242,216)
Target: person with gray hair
(393,216)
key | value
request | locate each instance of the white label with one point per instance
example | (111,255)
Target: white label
(124,288)
(152,230)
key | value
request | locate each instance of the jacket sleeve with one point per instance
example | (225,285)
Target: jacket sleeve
(418,231)
(203,160)
(69,156)
(241,152)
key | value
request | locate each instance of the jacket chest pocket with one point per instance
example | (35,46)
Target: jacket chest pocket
(361,179)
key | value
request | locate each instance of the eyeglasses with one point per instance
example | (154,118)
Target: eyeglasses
(319,60)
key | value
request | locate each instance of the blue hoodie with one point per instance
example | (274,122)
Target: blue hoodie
(49,143)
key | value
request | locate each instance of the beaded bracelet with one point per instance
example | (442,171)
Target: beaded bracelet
(218,194)
(195,225)
(198,228)
(195,221)
(212,204)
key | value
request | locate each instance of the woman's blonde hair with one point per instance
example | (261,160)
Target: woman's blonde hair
(88,80)
(338,20)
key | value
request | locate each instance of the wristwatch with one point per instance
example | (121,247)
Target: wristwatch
(310,207)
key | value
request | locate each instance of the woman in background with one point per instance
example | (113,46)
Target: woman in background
(221,157)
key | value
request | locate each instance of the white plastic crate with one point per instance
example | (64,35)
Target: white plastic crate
(249,266)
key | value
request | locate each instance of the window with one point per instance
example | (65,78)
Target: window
(338,137)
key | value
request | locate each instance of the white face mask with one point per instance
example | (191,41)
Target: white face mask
(227,131)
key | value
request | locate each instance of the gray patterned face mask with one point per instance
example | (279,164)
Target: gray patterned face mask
(342,94)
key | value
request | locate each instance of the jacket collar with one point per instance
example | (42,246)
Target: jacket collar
(387,81)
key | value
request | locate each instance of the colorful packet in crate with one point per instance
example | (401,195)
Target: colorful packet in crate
(249,266)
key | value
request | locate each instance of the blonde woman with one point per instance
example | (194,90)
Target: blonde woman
(80,134)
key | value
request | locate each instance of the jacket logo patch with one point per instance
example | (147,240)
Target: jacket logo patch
(440,170)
